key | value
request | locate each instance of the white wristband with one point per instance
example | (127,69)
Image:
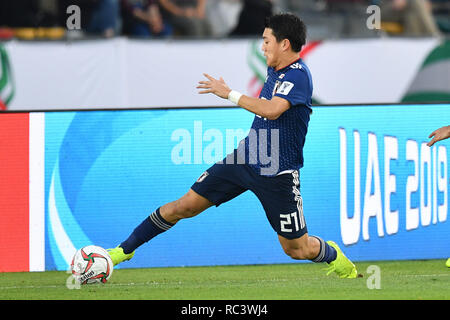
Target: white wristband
(234,96)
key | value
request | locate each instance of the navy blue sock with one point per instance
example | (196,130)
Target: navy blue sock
(326,253)
(148,229)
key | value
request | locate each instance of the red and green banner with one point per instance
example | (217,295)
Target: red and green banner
(139,74)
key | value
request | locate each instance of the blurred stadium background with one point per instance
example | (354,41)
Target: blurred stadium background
(101,124)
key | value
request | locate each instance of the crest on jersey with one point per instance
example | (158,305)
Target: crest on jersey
(285,88)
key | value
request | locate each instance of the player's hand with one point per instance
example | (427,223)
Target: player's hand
(216,86)
(439,134)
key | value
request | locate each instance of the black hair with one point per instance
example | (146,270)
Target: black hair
(288,26)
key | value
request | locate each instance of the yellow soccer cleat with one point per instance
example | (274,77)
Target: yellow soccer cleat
(448,263)
(342,265)
(117,255)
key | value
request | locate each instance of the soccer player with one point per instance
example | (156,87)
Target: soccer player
(280,125)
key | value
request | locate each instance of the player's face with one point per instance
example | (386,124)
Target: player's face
(271,48)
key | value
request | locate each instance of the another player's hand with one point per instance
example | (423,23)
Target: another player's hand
(216,86)
(439,134)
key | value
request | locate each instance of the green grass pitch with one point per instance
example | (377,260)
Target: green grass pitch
(404,280)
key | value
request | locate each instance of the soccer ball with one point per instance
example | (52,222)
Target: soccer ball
(91,264)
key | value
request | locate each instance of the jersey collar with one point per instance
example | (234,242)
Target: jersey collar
(296,60)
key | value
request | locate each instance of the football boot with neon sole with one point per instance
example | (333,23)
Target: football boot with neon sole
(343,267)
(118,256)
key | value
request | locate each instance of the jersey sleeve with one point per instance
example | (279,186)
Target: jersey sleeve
(295,87)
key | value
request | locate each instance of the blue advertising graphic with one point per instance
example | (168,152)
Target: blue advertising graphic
(369,183)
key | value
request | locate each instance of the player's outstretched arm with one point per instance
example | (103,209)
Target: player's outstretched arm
(439,134)
(270,109)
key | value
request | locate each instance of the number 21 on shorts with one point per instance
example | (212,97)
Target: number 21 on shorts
(289,220)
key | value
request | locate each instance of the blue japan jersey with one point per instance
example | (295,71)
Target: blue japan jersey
(274,146)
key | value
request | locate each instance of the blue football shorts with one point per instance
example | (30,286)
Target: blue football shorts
(279,195)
